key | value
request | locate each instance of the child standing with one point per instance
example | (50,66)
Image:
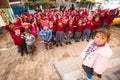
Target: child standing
(79,28)
(96,55)
(19,41)
(29,40)
(69,31)
(95,26)
(88,27)
(59,33)
(46,34)
(33,27)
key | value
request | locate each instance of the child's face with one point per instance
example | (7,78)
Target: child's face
(100,39)
(46,28)
(11,26)
(90,18)
(97,19)
(51,23)
(17,32)
(60,23)
(27,34)
(71,22)
(80,21)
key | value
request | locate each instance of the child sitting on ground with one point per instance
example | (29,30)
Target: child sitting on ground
(96,55)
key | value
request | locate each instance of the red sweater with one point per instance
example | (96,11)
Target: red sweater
(18,40)
(70,29)
(96,25)
(89,24)
(59,28)
(79,27)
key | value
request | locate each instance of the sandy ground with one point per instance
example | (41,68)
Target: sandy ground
(39,66)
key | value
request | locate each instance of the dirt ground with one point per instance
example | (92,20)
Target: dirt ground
(39,66)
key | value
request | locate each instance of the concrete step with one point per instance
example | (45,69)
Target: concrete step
(71,69)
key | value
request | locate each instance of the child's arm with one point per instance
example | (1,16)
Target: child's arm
(50,35)
(106,51)
(41,33)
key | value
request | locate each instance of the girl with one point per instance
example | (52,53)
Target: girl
(96,55)
(46,34)
(79,28)
(59,33)
(69,32)
(88,27)
(95,26)
(19,41)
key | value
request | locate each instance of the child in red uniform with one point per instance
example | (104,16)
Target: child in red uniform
(52,27)
(69,31)
(95,26)
(107,19)
(88,28)
(59,33)
(79,28)
(19,41)
(9,27)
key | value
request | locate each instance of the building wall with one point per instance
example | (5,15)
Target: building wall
(4,4)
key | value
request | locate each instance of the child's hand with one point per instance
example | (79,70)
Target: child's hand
(44,34)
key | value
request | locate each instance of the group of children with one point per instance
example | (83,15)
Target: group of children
(54,26)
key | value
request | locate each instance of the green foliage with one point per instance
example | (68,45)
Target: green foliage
(46,4)
(86,1)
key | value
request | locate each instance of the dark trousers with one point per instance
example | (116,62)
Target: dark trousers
(69,37)
(106,25)
(22,48)
(90,71)
(86,33)
(31,48)
(77,35)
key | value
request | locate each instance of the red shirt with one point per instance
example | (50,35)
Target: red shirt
(70,28)
(18,40)
(79,27)
(59,28)
(89,24)
(96,25)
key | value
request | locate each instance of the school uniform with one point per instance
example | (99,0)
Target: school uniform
(107,20)
(96,26)
(88,29)
(69,33)
(79,28)
(19,41)
(59,34)
(11,32)
(102,17)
